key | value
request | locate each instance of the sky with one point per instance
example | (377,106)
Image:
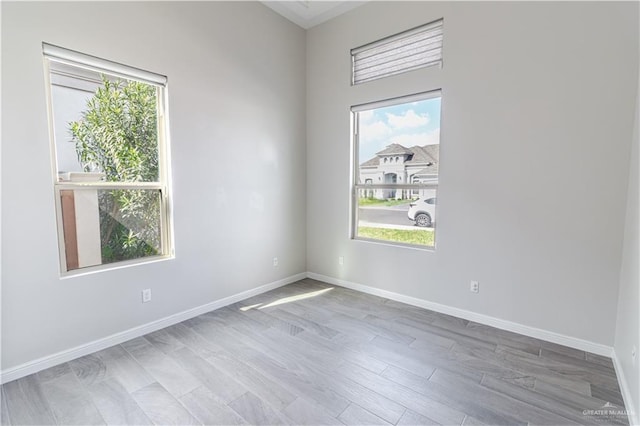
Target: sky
(408,124)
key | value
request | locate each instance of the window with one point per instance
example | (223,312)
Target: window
(400,207)
(110,161)
(406,51)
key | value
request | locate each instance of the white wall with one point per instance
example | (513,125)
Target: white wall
(237,108)
(628,321)
(536,117)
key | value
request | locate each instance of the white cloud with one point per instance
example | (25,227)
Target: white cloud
(366,116)
(409,120)
(374,131)
(409,140)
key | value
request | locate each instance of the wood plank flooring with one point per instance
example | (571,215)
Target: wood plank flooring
(314,354)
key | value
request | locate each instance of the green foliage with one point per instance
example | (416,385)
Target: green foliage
(371,201)
(419,236)
(117,135)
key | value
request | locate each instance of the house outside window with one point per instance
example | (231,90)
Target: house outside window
(109,133)
(396,147)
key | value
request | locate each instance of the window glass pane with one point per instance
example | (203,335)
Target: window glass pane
(103,226)
(104,125)
(399,220)
(400,144)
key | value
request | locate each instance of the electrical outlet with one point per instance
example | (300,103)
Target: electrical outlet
(146,295)
(474,287)
(341,260)
(275,262)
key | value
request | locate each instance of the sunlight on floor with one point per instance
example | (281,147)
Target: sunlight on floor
(246,308)
(287,299)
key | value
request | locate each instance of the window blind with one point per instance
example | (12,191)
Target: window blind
(416,48)
(81,60)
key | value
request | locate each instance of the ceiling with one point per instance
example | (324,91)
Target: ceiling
(309,13)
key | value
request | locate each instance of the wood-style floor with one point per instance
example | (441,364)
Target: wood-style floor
(314,354)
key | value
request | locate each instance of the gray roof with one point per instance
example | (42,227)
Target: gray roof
(429,170)
(394,149)
(418,155)
(424,154)
(374,162)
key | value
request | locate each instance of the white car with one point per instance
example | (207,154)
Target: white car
(423,212)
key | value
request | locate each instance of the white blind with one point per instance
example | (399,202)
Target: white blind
(409,50)
(82,60)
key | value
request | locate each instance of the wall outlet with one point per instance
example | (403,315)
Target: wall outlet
(474,287)
(146,295)
(275,262)
(341,260)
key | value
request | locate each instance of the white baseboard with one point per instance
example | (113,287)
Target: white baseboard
(117,338)
(526,330)
(632,407)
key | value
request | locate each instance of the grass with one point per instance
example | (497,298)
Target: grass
(386,203)
(416,236)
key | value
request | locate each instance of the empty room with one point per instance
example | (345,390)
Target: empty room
(310,213)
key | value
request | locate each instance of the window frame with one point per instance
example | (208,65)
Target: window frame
(355,186)
(72,58)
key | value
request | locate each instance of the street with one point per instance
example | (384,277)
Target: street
(385,215)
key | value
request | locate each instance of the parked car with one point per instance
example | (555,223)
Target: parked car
(423,212)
